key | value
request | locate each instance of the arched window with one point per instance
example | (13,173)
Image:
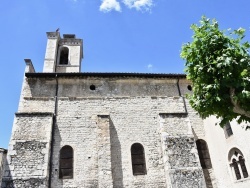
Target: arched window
(236,169)
(66,162)
(64,56)
(237,163)
(138,159)
(204,155)
(243,166)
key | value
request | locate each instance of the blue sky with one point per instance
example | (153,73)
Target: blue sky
(118,35)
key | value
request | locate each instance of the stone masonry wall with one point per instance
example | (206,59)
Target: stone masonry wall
(133,106)
(194,118)
(132,120)
(3,153)
(180,154)
(37,95)
(29,149)
(104,151)
(198,130)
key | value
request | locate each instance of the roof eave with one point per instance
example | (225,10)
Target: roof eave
(95,74)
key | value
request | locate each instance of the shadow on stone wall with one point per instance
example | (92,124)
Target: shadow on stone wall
(7,180)
(116,158)
(208,178)
(205,162)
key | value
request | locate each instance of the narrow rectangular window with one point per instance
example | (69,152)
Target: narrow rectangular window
(243,167)
(228,130)
(236,169)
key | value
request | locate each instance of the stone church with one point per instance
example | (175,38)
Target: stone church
(116,130)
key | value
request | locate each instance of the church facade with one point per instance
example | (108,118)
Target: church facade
(133,130)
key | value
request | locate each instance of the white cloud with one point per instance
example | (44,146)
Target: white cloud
(139,4)
(150,66)
(108,5)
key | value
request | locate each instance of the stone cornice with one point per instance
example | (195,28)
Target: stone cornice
(53,35)
(71,42)
(96,74)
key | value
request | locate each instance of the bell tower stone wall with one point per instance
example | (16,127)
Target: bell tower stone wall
(63,54)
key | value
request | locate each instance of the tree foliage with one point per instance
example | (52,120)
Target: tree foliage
(218,64)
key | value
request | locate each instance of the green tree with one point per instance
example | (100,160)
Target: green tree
(218,64)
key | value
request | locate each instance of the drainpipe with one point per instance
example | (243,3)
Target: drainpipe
(179,90)
(53,133)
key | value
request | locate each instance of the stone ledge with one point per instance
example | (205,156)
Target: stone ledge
(39,98)
(103,116)
(110,98)
(34,114)
(173,114)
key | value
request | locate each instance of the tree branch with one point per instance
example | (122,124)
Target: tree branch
(237,109)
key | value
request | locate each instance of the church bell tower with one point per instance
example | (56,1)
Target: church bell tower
(63,54)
